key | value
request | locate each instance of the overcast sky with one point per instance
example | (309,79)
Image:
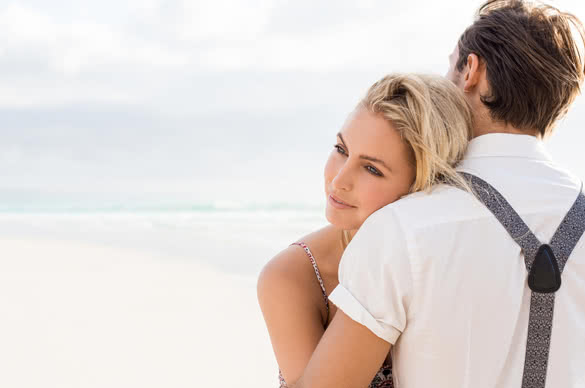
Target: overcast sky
(217,100)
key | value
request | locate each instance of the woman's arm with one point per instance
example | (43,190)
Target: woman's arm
(291,303)
(348,356)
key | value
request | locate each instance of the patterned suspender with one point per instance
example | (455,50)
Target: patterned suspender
(545,264)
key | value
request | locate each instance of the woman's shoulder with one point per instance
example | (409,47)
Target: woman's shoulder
(290,273)
(287,277)
(294,260)
(288,265)
(324,239)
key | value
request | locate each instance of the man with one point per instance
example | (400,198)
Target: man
(435,276)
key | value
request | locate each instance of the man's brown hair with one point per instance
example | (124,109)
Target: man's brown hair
(533,63)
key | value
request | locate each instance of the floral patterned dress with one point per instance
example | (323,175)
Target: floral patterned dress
(383,378)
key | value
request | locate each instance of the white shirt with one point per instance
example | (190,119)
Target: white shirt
(438,276)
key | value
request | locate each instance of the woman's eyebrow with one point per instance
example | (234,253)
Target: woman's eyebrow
(375,160)
(366,157)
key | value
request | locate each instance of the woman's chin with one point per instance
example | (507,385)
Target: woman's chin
(341,221)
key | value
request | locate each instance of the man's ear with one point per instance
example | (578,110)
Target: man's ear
(473,72)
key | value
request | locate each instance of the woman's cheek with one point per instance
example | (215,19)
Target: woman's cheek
(380,197)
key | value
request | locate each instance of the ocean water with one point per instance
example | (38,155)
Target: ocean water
(256,232)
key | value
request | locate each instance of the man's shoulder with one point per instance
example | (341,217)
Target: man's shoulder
(442,205)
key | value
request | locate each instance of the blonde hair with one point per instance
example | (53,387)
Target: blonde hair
(432,117)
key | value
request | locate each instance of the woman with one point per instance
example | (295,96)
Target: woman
(406,135)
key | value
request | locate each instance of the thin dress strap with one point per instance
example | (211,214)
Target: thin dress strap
(314,263)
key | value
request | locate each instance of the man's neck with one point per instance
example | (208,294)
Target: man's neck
(486,126)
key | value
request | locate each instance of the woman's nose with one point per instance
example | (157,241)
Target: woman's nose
(343,181)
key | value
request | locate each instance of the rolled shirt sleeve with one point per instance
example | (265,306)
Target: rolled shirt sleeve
(375,279)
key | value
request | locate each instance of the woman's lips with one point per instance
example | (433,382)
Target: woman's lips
(338,204)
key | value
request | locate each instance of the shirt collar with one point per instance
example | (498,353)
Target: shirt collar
(507,145)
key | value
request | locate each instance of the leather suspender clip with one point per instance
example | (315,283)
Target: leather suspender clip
(544,276)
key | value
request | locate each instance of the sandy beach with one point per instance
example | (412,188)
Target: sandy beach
(98,301)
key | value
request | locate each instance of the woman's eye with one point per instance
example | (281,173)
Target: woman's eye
(339,149)
(374,170)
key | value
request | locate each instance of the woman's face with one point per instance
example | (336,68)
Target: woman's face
(369,167)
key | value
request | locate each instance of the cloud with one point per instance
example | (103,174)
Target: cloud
(200,98)
(45,62)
